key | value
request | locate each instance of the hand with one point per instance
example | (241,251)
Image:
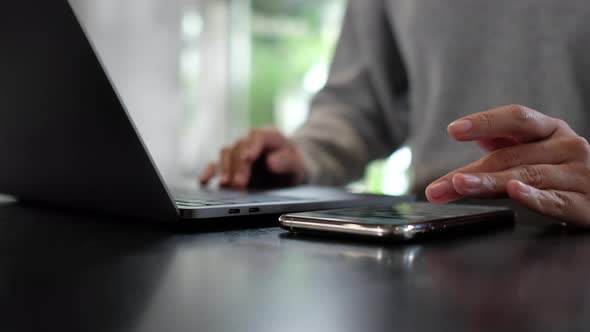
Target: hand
(281,158)
(536,160)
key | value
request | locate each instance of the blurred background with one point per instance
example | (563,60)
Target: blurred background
(197,74)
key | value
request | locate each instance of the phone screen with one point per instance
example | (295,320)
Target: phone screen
(403,214)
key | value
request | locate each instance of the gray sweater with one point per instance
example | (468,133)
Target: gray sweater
(404,69)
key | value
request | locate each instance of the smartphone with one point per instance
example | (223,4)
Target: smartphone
(402,221)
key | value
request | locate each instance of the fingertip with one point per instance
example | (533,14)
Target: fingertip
(436,192)
(207,176)
(450,130)
(519,188)
(460,129)
(437,201)
(521,193)
(441,192)
(434,201)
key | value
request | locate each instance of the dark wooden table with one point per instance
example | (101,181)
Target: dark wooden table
(64,271)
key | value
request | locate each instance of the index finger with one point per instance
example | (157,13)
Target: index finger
(208,174)
(260,140)
(513,121)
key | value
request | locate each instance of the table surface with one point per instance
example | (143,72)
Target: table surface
(65,271)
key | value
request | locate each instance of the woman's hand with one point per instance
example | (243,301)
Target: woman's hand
(536,160)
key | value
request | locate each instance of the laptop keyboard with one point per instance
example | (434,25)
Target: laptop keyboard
(204,198)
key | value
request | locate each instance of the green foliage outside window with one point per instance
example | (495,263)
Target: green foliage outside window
(283,50)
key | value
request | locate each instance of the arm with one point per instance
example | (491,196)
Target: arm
(361,114)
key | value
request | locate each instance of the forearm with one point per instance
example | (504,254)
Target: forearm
(360,114)
(332,150)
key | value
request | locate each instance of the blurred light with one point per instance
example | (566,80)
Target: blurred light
(192,25)
(280,26)
(190,63)
(395,179)
(316,78)
(292,107)
(410,257)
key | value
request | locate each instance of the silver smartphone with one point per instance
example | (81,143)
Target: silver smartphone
(402,221)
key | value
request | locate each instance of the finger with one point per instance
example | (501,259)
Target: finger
(555,151)
(515,121)
(242,168)
(558,177)
(568,206)
(261,140)
(494,144)
(226,167)
(208,174)
(286,162)
(552,152)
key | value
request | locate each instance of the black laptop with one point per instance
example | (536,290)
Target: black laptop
(67,139)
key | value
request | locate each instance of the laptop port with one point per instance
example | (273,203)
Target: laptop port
(234,211)
(254,210)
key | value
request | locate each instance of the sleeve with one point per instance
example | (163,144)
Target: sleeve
(361,113)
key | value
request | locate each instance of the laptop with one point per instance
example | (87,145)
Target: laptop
(67,139)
